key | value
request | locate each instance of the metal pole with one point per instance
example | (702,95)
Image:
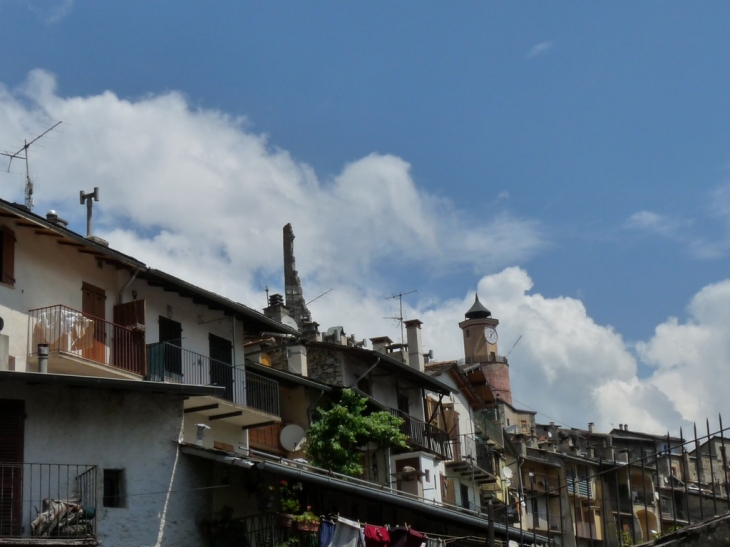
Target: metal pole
(698,465)
(712,468)
(490,530)
(724,461)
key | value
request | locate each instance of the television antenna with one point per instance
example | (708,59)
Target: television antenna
(399,318)
(28,183)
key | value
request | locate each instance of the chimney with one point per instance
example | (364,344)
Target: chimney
(591,427)
(380,343)
(415,350)
(276,309)
(51,216)
(297,359)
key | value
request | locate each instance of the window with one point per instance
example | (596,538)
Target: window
(403,403)
(7,256)
(114,491)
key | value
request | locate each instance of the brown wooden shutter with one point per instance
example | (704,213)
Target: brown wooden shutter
(8,258)
(129,347)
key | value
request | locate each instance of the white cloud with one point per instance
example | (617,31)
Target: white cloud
(195,193)
(539,49)
(169,172)
(51,11)
(652,222)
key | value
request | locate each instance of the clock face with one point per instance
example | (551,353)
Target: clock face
(491,335)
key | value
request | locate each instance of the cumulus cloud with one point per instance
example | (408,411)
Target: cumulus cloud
(194,192)
(173,177)
(539,49)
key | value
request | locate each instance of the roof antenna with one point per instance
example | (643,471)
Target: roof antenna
(28,183)
(399,296)
(89,207)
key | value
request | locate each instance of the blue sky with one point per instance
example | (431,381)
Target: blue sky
(582,146)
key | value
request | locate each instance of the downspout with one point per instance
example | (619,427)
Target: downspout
(245,397)
(127,284)
(368,371)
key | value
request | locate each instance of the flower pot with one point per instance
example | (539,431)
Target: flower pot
(306,526)
(285,520)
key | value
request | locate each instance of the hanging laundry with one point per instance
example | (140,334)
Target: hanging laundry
(347,533)
(376,536)
(326,533)
(406,537)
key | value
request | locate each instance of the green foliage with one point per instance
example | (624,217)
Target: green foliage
(289,496)
(333,438)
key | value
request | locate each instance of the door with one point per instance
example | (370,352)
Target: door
(171,334)
(221,364)
(93,303)
(129,345)
(12,425)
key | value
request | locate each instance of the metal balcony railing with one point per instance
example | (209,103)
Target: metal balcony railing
(423,435)
(488,423)
(540,482)
(167,362)
(71,331)
(42,500)
(467,448)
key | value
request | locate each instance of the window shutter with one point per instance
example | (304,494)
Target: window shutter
(8,258)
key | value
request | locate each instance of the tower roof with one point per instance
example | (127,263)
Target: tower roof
(478,311)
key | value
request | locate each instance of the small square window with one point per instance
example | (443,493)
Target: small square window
(114,488)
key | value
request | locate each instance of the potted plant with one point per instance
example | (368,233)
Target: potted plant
(307,521)
(288,502)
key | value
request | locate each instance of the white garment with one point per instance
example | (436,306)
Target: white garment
(347,533)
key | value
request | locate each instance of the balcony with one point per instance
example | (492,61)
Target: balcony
(540,482)
(42,503)
(424,436)
(542,520)
(167,362)
(586,530)
(81,344)
(472,459)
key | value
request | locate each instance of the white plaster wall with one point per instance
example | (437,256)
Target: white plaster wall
(428,465)
(219,431)
(133,431)
(47,274)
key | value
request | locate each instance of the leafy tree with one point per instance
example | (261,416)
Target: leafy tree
(335,434)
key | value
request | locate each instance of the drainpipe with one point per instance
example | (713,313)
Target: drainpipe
(120,299)
(43,358)
(243,378)
(354,384)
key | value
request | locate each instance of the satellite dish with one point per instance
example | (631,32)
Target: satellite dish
(506,473)
(550,435)
(289,322)
(291,437)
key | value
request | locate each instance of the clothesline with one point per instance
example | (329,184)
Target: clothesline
(338,531)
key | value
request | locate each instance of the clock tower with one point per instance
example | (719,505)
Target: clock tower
(480,347)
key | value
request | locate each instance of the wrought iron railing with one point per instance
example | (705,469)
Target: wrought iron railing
(423,435)
(488,424)
(168,362)
(70,331)
(42,500)
(467,448)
